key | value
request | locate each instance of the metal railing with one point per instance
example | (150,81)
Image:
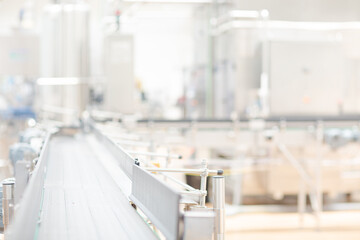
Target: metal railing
(149,191)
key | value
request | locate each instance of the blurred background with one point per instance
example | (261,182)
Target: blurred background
(184,59)
(266,89)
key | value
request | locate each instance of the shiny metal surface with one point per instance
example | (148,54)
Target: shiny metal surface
(198,225)
(219,206)
(8,201)
(124,160)
(158,201)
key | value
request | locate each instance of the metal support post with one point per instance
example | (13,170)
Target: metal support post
(219,206)
(8,201)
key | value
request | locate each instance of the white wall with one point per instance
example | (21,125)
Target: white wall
(163,47)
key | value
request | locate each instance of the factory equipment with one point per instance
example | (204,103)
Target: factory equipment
(8,202)
(258,62)
(65,36)
(19,53)
(105,193)
(119,72)
(301,71)
(64,61)
(285,161)
(274,103)
(19,66)
(241,76)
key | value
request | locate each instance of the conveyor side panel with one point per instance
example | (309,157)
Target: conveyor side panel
(159,202)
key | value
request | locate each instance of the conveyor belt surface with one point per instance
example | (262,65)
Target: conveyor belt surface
(81,200)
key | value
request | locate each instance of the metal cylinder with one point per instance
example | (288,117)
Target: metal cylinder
(219,206)
(8,201)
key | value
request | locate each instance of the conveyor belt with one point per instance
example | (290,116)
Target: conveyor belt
(80,199)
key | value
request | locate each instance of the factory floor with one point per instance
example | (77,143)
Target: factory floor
(285,226)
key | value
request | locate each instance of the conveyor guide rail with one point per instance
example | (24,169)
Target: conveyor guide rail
(159,202)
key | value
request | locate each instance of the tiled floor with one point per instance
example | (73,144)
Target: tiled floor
(285,226)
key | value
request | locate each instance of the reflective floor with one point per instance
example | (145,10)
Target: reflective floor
(285,226)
